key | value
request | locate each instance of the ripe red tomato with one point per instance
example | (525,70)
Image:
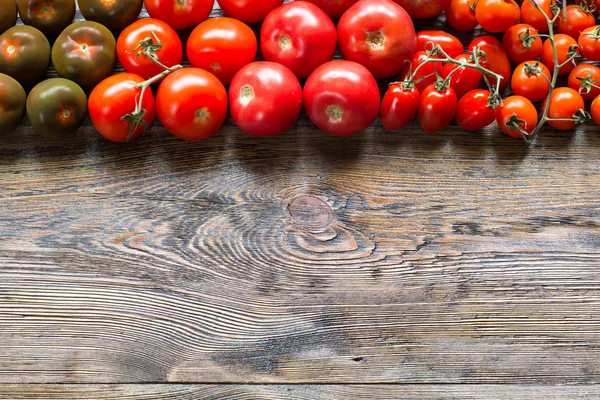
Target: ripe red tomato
(585,79)
(426,75)
(398,107)
(590,3)
(300,36)
(449,43)
(465,79)
(595,110)
(563,106)
(423,9)
(460,14)
(522,43)
(265,99)
(341,97)
(589,42)
(577,20)
(138,45)
(436,108)
(248,11)
(180,14)
(564,45)
(531,80)
(333,8)
(530,15)
(473,113)
(496,58)
(516,111)
(378,34)
(497,15)
(115,98)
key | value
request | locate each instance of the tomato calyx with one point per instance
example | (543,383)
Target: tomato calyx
(587,83)
(514,123)
(527,38)
(579,117)
(595,34)
(148,48)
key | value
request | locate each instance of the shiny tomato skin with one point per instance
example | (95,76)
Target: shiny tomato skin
(465,79)
(590,3)
(436,109)
(515,48)
(8,15)
(530,15)
(300,36)
(115,97)
(426,75)
(180,14)
(448,42)
(563,44)
(248,11)
(534,86)
(398,107)
(497,15)
(460,14)
(497,59)
(564,104)
(523,109)
(12,103)
(341,97)
(333,8)
(115,15)
(378,34)
(265,98)
(24,54)
(423,9)
(589,42)
(576,21)
(595,110)
(49,16)
(472,113)
(134,61)
(585,71)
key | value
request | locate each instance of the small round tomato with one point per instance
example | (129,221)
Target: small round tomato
(298,35)
(265,98)
(425,75)
(341,97)
(146,41)
(56,107)
(460,14)
(589,43)
(564,106)
(530,15)
(180,14)
(522,43)
(449,43)
(49,16)
(497,15)
(112,14)
(378,34)
(465,79)
(565,46)
(473,112)
(248,11)
(515,112)
(585,79)
(8,14)
(333,8)
(595,110)
(191,103)
(496,59)
(436,108)
(423,9)
(398,107)
(578,19)
(531,80)
(113,105)
(24,54)
(12,103)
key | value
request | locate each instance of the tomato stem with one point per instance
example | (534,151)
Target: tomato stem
(148,48)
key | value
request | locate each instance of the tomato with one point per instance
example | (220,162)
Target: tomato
(113,100)
(24,54)
(564,105)
(8,15)
(465,79)
(341,97)
(85,53)
(585,79)
(300,36)
(595,110)
(497,15)
(333,8)
(436,108)
(522,43)
(578,19)
(398,107)
(112,14)
(589,42)
(423,9)
(473,113)
(592,4)
(191,103)
(144,40)
(530,15)
(265,99)
(378,34)
(12,103)
(56,107)
(49,16)
(426,75)
(496,58)
(460,14)
(248,11)
(564,45)
(180,14)
(516,111)
(449,43)
(531,80)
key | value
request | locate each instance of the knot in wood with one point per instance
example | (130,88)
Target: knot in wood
(311,214)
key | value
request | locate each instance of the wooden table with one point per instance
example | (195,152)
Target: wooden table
(383,266)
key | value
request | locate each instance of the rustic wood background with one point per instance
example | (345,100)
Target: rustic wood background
(383,266)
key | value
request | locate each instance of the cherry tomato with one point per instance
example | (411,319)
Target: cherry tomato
(8,15)
(248,11)
(563,106)
(522,43)
(465,79)
(595,110)
(436,108)
(265,99)
(115,98)
(585,79)
(589,42)
(496,58)
(564,46)
(378,34)
(531,80)
(590,3)
(222,46)
(423,9)
(516,111)
(460,14)
(112,14)
(398,107)
(191,103)
(24,54)
(530,15)
(449,43)
(49,16)
(298,35)
(341,97)
(497,15)
(426,75)
(473,113)
(333,8)
(578,19)
(144,40)
(180,14)
(12,104)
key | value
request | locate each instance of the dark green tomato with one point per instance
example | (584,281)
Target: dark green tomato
(12,104)
(8,14)
(85,52)
(49,16)
(114,14)
(56,107)
(24,54)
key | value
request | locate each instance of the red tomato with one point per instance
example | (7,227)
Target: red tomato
(595,110)
(465,79)
(585,79)
(436,109)
(378,34)
(180,14)
(496,58)
(449,43)
(473,113)
(300,36)
(265,99)
(191,103)
(398,107)
(426,75)
(137,46)
(531,80)
(590,3)
(222,46)
(589,42)
(563,106)
(113,99)
(577,20)
(422,9)
(522,43)
(460,14)
(530,15)
(341,97)
(333,8)
(497,15)
(248,11)
(564,45)
(516,111)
